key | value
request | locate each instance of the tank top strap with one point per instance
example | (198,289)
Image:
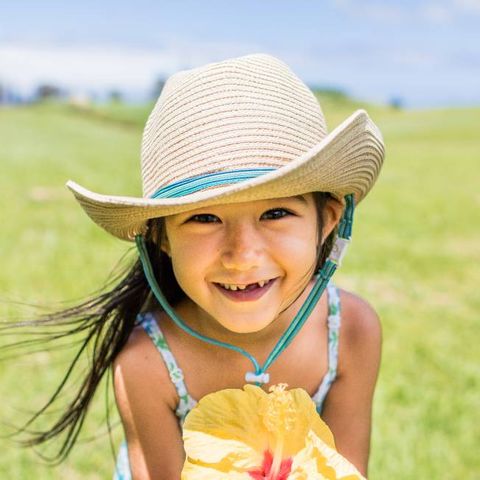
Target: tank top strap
(333,321)
(151,327)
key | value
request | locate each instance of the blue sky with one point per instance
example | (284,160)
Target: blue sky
(425,52)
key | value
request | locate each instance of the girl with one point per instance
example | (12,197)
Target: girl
(246,211)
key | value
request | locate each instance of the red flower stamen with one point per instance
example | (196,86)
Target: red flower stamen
(265,473)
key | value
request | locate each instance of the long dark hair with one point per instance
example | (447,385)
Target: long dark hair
(104,323)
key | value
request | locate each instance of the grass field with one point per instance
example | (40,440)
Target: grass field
(415,256)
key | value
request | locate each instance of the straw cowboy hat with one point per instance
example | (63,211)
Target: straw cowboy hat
(239,130)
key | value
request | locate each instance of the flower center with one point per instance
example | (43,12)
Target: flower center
(265,472)
(278,413)
(278,410)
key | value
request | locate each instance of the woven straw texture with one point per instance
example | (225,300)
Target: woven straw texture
(243,113)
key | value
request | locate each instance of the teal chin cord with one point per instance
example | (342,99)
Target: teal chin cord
(260,375)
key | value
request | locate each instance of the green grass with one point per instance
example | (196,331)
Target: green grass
(415,257)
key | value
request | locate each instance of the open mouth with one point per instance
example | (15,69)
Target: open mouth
(249,292)
(242,288)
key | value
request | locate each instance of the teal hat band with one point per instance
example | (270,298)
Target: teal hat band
(259,375)
(202,182)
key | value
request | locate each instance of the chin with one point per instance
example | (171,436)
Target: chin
(245,326)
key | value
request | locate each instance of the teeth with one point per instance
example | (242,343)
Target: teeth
(233,287)
(228,286)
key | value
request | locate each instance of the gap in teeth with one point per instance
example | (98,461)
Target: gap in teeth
(261,284)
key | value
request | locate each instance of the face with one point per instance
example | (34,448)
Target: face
(241,265)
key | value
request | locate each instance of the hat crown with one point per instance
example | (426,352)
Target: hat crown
(249,112)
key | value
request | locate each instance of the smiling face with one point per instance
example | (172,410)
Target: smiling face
(243,264)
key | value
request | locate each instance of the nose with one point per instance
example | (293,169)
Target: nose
(242,248)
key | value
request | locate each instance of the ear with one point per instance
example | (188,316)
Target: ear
(332,213)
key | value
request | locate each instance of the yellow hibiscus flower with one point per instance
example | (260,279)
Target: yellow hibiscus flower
(250,434)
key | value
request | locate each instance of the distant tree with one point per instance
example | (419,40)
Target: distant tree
(396,103)
(48,91)
(115,96)
(158,87)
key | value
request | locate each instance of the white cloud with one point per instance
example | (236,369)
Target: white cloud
(367,70)
(87,67)
(374,10)
(472,6)
(437,13)
(25,66)
(447,11)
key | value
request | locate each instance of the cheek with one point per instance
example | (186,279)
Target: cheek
(190,260)
(297,248)
(183,261)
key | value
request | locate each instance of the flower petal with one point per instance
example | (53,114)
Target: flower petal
(231,414)
(192,471)
(221,452)
(329,464)
(308,419)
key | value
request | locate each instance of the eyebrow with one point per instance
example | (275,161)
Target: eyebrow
(300,198)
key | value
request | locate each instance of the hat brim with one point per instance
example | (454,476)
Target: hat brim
(346,161)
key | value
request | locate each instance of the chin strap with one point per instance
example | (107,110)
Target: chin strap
(260,376)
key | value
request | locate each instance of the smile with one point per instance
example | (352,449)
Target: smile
(250,286)
(245,293)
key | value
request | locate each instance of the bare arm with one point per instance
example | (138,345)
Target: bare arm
(348,408)
(146,400)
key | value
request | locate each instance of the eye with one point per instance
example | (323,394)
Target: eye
(203,218)
(276,213)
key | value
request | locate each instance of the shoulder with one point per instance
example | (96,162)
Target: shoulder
(146,400)
(361,332)
(348,407)
(139,371)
